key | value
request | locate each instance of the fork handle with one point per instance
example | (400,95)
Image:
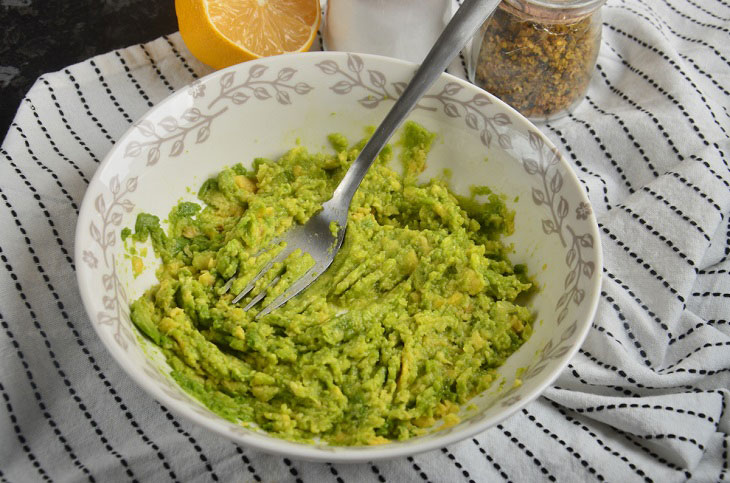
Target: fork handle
(457,33)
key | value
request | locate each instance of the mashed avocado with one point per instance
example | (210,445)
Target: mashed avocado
(410,321)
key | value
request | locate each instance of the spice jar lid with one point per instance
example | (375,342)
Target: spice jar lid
(552,11)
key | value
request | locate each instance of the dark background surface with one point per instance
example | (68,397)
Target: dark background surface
(39,36)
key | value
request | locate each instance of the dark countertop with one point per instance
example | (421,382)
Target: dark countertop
(40,36)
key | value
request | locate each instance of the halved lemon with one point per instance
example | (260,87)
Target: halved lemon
(221,33)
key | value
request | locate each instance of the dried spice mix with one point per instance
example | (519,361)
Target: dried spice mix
(538,56)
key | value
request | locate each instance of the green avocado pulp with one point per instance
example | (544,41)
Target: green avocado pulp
(409,322)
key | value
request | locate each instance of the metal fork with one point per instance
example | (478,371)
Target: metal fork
(315,237)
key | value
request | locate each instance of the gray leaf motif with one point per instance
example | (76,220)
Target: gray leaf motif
(261,93)
(342,87)
(369,102)
(302,88)
(452,88)
(177,148)
(283,97)
(100,205)
(146,128)
(227,80)
(501,119)
(328,67)
(134,148)
(286,74)
(114,185)
(354,63)
(480,100)
(530,165)
(153,155)
(192,114)
(257,71)
(168,123)
(377,78)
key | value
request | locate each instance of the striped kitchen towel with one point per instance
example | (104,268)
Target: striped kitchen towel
(645,398)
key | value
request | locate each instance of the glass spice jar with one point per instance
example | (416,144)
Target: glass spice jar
(538,55)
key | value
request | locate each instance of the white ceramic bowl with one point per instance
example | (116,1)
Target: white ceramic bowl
(261,108)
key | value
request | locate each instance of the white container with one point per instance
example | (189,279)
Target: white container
(404,29)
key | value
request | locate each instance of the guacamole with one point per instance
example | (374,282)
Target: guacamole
(409,322)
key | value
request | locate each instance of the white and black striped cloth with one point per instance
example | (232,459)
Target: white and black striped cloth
(645,399)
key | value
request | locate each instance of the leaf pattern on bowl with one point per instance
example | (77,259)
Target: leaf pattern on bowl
(547,194)
(105,232)
(172,133)
(376,87)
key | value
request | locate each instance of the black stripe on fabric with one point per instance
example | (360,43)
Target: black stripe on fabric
(713,271)
(583,462)
(704,10)
(708,76)
(640,261)
(711,294)
(678,437)
(39,399)
(662,237)
(109,92)
(619,389)
(638,301)
(676,210)
(418,469)
(180,57)
(697,190)
(709,167)
(708,323)
(191,440)
(46,168)
(131,78)
(65,121)
(630,136)
(457,464)
(604,330)
(693,20)
(22,439)
(156,69)
(59,304)
(321,42)
(463,63)
(292,470)
(653,407)
(496,465)
(52,142)
(334,471)
(627,328)
(636,106)
(600,442)
(536,461)
(81,97)
(666,25)
(628,378)
(42,206)
(604,150)
(701,372)
(377,473)
(74,394)
(247,462)
(707,345)
(660,89)
(724,457)
(576,161)
(652,454)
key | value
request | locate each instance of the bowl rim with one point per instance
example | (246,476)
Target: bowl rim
(341,454)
